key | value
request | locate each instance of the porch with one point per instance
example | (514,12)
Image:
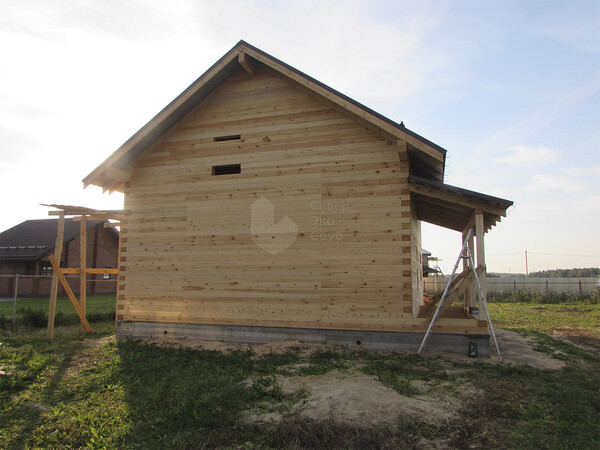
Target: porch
(472,214)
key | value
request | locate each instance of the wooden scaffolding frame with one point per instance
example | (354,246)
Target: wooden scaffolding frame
(82,215)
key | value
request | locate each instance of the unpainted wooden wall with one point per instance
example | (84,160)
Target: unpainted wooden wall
(188,253)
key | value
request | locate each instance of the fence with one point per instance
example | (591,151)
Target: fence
(14,286)
(39,285)
(578,286)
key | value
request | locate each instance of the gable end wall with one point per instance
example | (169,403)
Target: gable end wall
(188,251)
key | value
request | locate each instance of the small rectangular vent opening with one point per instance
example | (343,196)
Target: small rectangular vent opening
(233,137)
(227,169)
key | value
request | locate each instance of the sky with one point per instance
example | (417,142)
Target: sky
(510,88)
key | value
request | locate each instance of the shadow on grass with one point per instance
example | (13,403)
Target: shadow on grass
(189,398)
(27,415)
(186,398)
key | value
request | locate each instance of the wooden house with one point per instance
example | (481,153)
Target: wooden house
(263,205)
(24,250)
(427,269)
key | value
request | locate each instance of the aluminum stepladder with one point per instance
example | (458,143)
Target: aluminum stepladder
(465,252)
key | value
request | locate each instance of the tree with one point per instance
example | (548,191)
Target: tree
(567,273)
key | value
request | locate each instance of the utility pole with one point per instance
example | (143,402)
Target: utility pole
(526,266)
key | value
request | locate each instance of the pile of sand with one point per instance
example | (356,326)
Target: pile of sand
(362,400)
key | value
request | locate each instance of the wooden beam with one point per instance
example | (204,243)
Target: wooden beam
(58,244)
(465,261)
(101,217)
(402,150)
(89,270)
(118,174)
(68,210)
(470,224)
(119,282)
(82,268)
(69,292)
(471,290)
(102,271)
(246,62)
(479,233)
(455,199)
(115,186)
(467,282)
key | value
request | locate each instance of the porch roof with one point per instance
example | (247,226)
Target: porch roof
(453,207)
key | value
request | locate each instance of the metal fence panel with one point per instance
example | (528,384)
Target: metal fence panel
(578,286)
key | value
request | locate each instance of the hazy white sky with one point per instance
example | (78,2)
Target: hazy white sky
(510,88)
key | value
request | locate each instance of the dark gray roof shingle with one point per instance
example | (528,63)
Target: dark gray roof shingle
(34,239)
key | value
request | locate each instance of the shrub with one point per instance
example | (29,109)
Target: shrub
(35,318)
(542,297)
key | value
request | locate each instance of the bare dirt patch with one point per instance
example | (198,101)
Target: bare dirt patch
(360,400)
(218,346)
(518,349)
(515,349)
(99,342)
(81,360)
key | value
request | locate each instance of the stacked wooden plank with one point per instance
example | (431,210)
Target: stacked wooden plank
(188,251)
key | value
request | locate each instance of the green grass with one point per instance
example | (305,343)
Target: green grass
(67,393)
(85,391)
(573,318)
(94,304)
(543,297)
(34,311)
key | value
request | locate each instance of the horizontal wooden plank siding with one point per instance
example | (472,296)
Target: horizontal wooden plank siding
(189,253)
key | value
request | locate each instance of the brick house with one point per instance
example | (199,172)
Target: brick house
(24,249)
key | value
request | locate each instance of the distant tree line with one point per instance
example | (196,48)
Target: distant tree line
(567,273)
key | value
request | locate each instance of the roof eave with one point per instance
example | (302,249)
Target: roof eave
(152,130)
(452,207)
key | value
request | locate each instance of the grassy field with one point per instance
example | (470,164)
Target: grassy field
(570,319)
(95,392)
(34,311)
(95,304)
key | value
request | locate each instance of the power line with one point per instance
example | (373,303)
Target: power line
(562,254)
(506,254)
(534,253)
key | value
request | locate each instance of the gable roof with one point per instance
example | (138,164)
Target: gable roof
(34,239)
(113,172)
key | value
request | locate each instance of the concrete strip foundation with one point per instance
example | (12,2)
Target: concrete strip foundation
(377,340)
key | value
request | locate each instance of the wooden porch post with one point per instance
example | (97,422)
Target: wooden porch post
(479,232)
(82,268)
(54,287)
(470,292)
(465,268)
